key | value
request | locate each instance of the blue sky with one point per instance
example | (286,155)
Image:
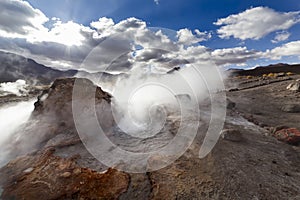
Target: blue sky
(168,13)
(282,33)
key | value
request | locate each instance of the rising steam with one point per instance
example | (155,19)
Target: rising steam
(18,88)
(12,116)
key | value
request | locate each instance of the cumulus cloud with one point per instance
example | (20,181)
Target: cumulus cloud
(69,34)
(65,45)
(288,49)
(281,36)
(256,23)
(19,19)
(186,37)
(102,24)
(237,55)
(118,46)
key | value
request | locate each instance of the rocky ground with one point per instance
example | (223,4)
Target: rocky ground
(248,162)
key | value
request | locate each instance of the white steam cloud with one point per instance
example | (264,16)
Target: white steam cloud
(12,116)
(18,88)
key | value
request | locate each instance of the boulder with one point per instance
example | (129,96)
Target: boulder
(291,108)
(230,104)
(232,135)
(288,135)
(295,86)
(281,74)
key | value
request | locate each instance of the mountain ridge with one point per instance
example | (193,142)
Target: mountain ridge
(260,70)
(15,66)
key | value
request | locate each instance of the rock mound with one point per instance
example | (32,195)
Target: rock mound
(58,98)
(56,164)
(52,124)
(46,176)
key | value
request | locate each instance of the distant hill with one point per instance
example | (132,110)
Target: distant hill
(14,67)
(258,71)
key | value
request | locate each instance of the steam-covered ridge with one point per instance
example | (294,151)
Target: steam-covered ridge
(15,67)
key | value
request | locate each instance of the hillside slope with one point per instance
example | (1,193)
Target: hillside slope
(14,67)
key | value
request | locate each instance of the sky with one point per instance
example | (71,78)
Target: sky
(231,33)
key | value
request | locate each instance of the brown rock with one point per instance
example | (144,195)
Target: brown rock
(29,170)
(291,108)
(231,135)
(288,135)
(66,175)
(49,180)
(230,104)
(77,171)
(59,96)
(295,86)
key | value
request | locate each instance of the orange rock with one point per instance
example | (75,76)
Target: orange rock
(288,135)
(48,181)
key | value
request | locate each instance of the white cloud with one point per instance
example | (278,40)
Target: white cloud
(18,88)
(186,37)
(204,35)
(281,36)
(288,49)
(255,23)
(19,19)
(103,24)
(237,55)
(156,2)
(66,45)
(242,65)
(69,33)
